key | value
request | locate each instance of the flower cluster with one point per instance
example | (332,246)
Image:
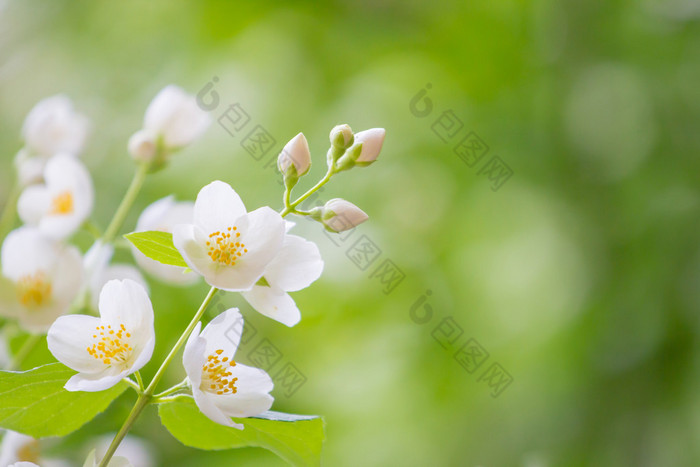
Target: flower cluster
(98,316)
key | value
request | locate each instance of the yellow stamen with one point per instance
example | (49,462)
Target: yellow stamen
(62,203)
(33,290)
(215,375)
(114,346)
(222,249)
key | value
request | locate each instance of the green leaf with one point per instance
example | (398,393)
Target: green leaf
(34,402)
(158,246)
(295,438)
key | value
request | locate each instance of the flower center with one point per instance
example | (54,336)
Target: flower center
(111,345)
(215,375)
(62,203)
(33,289)
(224,248)
(28,452)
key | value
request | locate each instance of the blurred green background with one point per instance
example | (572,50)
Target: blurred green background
(580,275)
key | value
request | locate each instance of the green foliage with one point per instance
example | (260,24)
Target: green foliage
(158,246)
(35,403)
(295,438)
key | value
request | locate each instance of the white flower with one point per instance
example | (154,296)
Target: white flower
(53,126)
(41,278)
(106,349)
(340,215)
(372,141)
(225,244)
(295,152)
(221,387)
(60,206)
(163,215)
(23,451)
(175,118)
(295,267)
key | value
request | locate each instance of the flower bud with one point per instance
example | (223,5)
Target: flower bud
(143,146)
(176,118)
(371,141)
(295,153)
(340,215)
(341,136)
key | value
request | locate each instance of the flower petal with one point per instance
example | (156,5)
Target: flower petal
(26,251)
(33,204)
(193,357)
(207,406)
(273,303)
(126,302)
(217,207)
(93,382)
(69,338)
(296,266)
(251,398)
(224,333)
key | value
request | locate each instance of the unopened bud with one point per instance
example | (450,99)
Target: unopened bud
(341,136)
(371,141)
(295,153)
(340,215)
(143,146)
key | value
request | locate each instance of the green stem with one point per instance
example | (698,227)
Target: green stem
(147,395)
(9,213)
(290,208)
(139,380)
(133,385)
(127,202)
(172,390)
(23,352)
(141,404)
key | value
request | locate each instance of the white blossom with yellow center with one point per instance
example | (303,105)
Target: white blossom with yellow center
(223,388)
(106,349)
(40,278)
(227,245)
(60,206)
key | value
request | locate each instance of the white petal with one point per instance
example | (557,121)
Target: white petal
(93,383)
(252,396)
(217,207)
(176,116)
(13,444)
(193,357)
(53,126)
(26,251)
(273,303)
(186,238)
(263,238)
(67,275)
(224,333)
(206,404)
(38,320)
(126,302)
(143,353)
(296,266)
(68,340)
(115,271)
(33,204)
